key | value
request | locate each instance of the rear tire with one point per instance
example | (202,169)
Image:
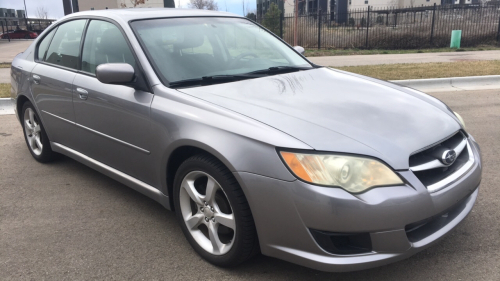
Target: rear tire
(34,134)
(213,212)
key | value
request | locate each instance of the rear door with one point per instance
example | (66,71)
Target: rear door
(52,78)
(113,119)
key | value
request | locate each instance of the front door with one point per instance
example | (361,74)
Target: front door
(113,120)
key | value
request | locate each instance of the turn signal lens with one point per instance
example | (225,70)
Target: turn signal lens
(354,174)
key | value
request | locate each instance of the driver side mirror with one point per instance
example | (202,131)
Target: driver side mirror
(115,73)
(299,49)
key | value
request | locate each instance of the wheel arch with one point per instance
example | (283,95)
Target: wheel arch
(21,100)
(182,153)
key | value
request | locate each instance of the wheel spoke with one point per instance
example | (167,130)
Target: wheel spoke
(194,221)
(214,238)
(38,142)
(32,115)
(193,194)
(36,129)
(210,191)
(28,125)
(226,220)
(32,142)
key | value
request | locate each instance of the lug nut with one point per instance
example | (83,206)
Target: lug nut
(206,219)
(213,219)
(202,209)
(212,209)
(206,204)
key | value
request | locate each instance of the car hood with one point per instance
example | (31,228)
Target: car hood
(336,111)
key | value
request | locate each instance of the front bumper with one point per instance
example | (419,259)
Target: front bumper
(286,212)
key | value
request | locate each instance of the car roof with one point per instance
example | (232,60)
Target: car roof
(148,13)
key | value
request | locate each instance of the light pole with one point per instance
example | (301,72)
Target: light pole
(25,15)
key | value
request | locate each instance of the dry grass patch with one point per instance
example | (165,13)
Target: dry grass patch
(4,65)
(427,70)
(4,90)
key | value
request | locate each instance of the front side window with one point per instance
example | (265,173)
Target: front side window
(104,43)
(65,45)
(193,48)
(44,45)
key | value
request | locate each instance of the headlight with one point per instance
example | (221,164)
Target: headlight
(354,174)
(460,119)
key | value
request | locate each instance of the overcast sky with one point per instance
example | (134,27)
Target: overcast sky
(55,7)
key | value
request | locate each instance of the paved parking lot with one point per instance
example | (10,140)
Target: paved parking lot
(8,50)
(65,221)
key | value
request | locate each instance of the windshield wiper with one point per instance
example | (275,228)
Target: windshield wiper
(209,80)
(279,70)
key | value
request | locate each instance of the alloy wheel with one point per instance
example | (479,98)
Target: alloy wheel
(33,131)
(207,213)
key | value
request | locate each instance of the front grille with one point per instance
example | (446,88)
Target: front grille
(430,166)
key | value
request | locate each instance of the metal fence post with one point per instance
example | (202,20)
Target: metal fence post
(281,25)
(319,29)
(433,19)
(498,33)
(367,26)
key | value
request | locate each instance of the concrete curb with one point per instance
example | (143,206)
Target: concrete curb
(453,84)
(6,106)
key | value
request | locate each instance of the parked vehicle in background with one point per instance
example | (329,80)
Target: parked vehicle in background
(20,34)
(254,147)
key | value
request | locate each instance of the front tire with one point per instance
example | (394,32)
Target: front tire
(213,212)
(34,134)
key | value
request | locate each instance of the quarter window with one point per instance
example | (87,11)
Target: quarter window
(44,45)
(65,46)
(104,43)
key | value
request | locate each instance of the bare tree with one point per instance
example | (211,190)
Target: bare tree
(41,13)
(133,3)
(203,5)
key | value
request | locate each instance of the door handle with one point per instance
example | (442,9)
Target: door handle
(82,93)
(36,79)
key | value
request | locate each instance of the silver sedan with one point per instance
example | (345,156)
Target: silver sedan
(255,148)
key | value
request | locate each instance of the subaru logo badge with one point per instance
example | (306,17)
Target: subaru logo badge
(449,156)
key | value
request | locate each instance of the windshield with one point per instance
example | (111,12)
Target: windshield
(203,47)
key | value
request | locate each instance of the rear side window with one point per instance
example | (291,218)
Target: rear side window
(104,43)
(44,45)
(65,45)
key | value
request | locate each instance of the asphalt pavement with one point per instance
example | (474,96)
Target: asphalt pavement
(8,50)
(65,221)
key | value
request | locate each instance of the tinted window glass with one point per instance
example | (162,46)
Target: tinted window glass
(42,48)
(65,46)
(104,43)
